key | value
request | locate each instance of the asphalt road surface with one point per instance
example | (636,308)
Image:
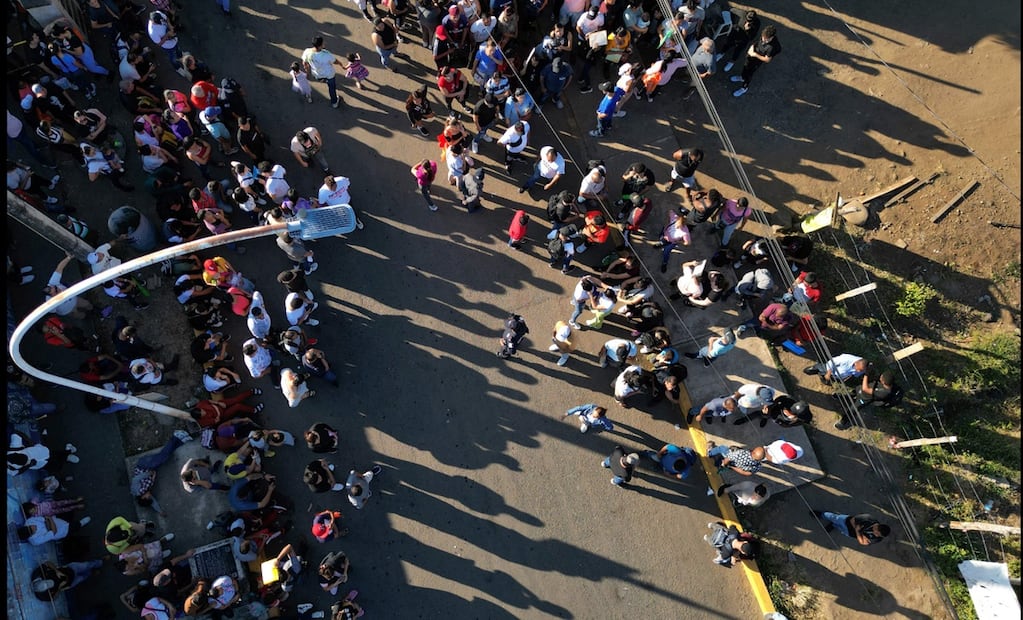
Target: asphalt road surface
(490,504)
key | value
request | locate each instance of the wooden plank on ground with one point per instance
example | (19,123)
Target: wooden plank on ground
(901,354)
(909,191)
(891,188)
(955,201)
(856,291)
(984,527)
(926,441)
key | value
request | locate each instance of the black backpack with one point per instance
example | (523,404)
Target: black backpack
(556,248)
(894,397)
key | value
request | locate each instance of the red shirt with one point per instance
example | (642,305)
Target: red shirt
(209,96)
(517,230)
(594,233)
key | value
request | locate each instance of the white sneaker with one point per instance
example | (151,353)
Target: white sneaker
(27,279)
(559,105)
(740,92)
(313,267)
(620,114)
(71,448)
(718,57)
(580,249)
(432,207)
(317,614)
(728,66)
(309,99)
(475,147)
(487,138)
(359,224)
(304,607)
(50,200)
(736,78)
(84,521)
(563,359)
(584,427)
(596,134)
(169,536)
(575,325)
(183,436)
(312,322)
(553,347)
(338,487)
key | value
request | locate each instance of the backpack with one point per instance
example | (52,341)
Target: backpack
(717,536)
(556,248)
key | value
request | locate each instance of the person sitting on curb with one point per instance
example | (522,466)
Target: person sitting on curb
(333,571)
(675,461)
(732,545)
(590,416)
(740,460)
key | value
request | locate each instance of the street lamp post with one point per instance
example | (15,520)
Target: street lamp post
(311,224)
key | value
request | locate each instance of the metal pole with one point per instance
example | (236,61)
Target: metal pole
(124,268)
(46,228)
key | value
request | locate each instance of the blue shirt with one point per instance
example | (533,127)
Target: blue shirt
(675,454)
(608,104)
(487,65)
(842,367)
(514,109)
(716,407)
(555,82)
(238,504)
(584,411)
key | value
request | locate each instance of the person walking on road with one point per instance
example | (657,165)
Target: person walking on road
(621,465)
(307,147)
(319,63)
(425,172)
(386,40)
(358,486)
(760,53)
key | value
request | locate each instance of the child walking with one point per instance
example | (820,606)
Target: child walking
(355,69)
(300,82)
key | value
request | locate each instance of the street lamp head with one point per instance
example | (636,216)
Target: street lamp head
(323,222)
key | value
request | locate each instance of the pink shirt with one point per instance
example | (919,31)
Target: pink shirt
(426,174)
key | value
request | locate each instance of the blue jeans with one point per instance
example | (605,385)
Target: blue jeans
(425,191)
(533,178)
(550,96)
(617,480)
(839,521)
(153,461)
(326,375)
(727,231)
(225,5)
(89,60)
(385,55)
(331,83)
(173,55)
(82,570)
(26,141)
(580,306)
(604,124)
(482,132)
(666,253)
(717,454)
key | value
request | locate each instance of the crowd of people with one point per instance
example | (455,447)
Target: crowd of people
(500,62)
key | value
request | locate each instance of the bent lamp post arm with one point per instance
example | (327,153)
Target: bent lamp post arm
(313,224)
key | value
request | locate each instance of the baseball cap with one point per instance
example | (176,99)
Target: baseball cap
(321,529)
(441,33)
(452,11)
(632,459)
(563,333)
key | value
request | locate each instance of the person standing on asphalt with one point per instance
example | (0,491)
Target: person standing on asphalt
(675,461)
(319,63)
(386,39)
(425,172)
(621,465)
(554,79)
(307,147)
(739,39)
(515,140)
(606,110)
(550,167)
(358,486)
(484,114)
(760,53)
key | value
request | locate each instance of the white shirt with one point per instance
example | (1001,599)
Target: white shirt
(338,196)
(259,328)
(128,71)
(260,361)
(520,140)
(549,169)
(611,348)
(587,25)
(591,187)
(480,31)
(14,125)
(67,306)
(150,374)
(276,186)
(291,392)
(321,63)
(314,137)
(295,315)
(158,31)
(107,261)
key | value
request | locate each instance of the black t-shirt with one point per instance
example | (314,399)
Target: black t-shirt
(686,166)
(697,216)
(483,113)
(387,36)
(252,139)
(558,210)
(864,525)
(638,182)
(769,48)
(418,111)
(623,471)
(795,246)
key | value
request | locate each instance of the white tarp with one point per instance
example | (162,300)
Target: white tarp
(992,595)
